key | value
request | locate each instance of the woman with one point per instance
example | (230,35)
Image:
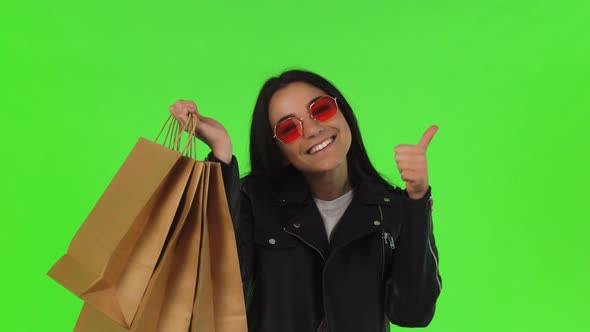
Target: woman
(324,242)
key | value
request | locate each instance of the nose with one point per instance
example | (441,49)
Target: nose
(311,127)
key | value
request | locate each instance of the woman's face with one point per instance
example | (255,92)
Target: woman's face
(294,99)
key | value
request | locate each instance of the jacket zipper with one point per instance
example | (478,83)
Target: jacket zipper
(434,256)
(324,259)
(390,240)
(387,241)
(383,237)
(309,244)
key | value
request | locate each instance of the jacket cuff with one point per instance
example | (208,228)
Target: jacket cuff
(425,202)
(419,213)
(211,157)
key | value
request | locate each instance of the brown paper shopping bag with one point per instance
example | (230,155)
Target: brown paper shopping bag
(168,301)
(219,302)
(113,255)
(203,318)
(177,307)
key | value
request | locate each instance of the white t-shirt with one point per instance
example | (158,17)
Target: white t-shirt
(332,211)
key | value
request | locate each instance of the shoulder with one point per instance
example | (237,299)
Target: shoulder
(253,182)
(378,191)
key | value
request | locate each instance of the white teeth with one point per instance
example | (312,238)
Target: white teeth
(321,146)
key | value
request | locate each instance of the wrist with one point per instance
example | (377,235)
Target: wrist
(224,153)
(417,196)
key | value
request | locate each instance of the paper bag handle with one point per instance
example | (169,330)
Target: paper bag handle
(174,134)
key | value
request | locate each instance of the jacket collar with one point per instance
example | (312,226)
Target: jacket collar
(363,216)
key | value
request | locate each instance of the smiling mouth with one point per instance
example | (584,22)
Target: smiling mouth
(319,147)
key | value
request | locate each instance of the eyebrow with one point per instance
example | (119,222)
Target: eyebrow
(291,114)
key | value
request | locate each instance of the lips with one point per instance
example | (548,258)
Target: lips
(322,145)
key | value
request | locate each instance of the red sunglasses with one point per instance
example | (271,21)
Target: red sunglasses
(291,128)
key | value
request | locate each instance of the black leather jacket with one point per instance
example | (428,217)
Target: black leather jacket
(380,265)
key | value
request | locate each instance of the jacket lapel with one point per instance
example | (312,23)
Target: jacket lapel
(364,215)
(308,227)
(300,215)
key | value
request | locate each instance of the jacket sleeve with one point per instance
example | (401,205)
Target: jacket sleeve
(414,282)
(242,219)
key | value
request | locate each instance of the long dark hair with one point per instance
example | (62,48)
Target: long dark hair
(265,156)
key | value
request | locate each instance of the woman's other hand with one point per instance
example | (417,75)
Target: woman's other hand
(208,130)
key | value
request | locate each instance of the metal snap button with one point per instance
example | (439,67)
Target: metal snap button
(297,225)
(376,223)
(272,241)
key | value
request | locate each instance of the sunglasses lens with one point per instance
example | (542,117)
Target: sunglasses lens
(324,109)
(289,130)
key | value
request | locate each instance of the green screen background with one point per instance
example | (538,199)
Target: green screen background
(506,82)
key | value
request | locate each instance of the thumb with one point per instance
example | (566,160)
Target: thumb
(427,137)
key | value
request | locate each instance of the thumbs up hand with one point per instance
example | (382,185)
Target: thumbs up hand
(411,162)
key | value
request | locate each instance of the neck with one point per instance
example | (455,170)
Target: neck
(330,185)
